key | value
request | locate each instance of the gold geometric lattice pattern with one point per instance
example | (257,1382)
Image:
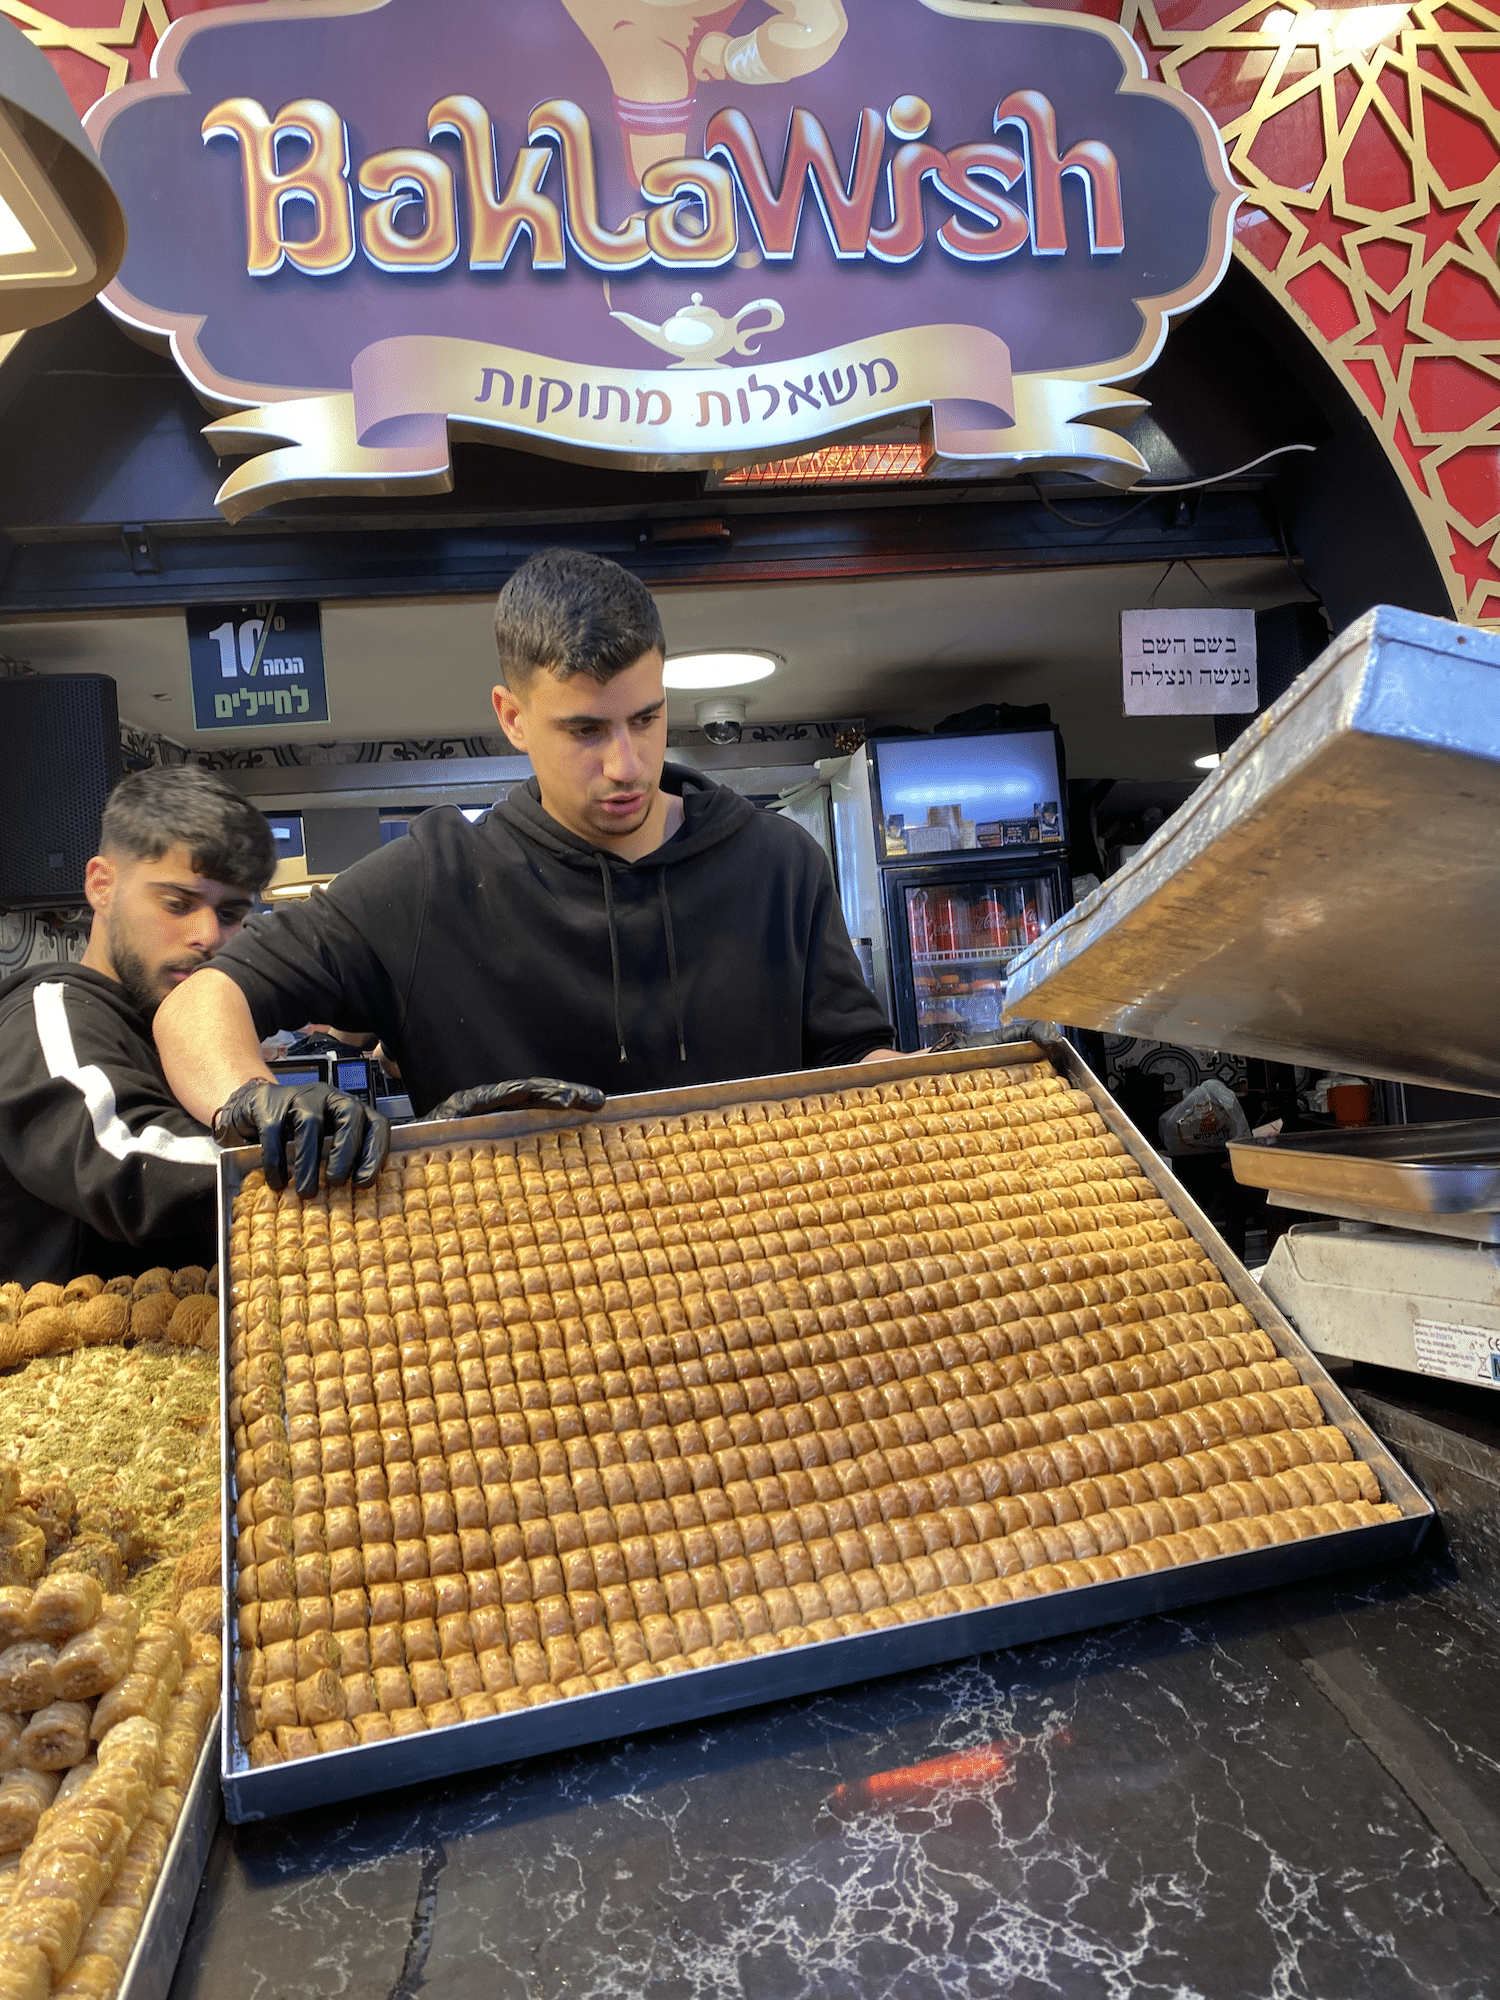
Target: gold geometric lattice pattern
(1369,141)
(92,54)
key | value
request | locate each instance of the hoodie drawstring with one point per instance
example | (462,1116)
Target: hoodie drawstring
(666,922)
(614,957)
(614,951)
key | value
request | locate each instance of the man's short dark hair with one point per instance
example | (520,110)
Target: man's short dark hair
(572,613)
(182,805)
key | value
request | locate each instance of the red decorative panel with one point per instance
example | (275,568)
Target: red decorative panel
(1368,138)
(1472,482)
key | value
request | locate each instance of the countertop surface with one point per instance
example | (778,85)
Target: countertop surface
(1291,1794)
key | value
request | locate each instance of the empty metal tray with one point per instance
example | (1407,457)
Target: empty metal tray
(1402,1169)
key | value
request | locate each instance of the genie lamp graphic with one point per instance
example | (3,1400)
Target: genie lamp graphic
(701,338)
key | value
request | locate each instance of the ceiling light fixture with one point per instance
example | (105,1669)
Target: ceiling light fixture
(1208,763)
(719,670)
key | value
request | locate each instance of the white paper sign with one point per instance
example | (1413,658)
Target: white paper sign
(1188,662)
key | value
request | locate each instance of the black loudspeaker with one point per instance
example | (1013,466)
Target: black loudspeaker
(1287,640)
(59,761)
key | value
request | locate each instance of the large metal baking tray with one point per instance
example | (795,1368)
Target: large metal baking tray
(377,1767)
(1331,894)
(1395,1170)
(149,1969)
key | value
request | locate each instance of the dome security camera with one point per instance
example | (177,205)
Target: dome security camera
(721,721)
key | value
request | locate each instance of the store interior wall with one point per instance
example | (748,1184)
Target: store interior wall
(1234,375)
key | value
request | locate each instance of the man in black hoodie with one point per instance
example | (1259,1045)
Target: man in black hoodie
(626,925)
(100,1169)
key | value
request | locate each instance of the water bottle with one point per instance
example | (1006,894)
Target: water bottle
(984,1008)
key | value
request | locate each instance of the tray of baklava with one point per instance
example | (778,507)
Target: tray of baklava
(573,1426)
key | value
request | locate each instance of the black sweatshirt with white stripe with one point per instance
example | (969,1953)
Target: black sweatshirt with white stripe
(100,1168)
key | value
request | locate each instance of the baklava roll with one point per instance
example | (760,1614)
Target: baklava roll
(529,1662)
(91,1976)
(15,1611)
(56,1738)
(64,1605)
(429,1683)
(24,1797)
(392,1689)
(496,1670)
(27,1670)
(112,1932)
(51,1925)
(359,1694)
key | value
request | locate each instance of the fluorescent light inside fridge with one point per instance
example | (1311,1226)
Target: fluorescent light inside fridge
(944,794)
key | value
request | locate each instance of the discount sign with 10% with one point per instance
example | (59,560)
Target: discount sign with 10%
(256,664)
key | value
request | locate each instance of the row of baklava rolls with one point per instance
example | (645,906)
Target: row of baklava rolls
(842,1265)
(498,1186)
(540,1578)
(449,1652)
(399,1249)
(504,1387)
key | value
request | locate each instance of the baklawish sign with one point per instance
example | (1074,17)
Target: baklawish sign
(653,232)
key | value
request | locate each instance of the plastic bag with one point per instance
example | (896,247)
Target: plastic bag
(1205,1121)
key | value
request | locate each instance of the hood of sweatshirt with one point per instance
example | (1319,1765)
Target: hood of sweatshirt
(711,814)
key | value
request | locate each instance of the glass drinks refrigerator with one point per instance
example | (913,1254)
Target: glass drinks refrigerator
(952,858)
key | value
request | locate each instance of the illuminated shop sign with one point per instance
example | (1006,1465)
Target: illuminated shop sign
(656,234)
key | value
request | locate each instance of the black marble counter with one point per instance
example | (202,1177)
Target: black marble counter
(1290,1796)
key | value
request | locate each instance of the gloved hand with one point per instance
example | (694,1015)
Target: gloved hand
(289,1126)
(522,1093)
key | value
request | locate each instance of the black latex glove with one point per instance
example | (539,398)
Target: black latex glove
(522,1093)
(289,1125)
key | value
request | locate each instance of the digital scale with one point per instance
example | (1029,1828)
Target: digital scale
(1330,896)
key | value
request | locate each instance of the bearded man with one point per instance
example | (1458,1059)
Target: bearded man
(101,1170)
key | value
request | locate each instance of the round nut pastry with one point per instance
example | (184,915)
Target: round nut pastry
(151,1313)
(102,1320)
(194,1323)
(40,1297)
(49,1329)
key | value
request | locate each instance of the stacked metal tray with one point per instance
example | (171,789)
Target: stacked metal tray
(252,1793)
(1441,1178)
